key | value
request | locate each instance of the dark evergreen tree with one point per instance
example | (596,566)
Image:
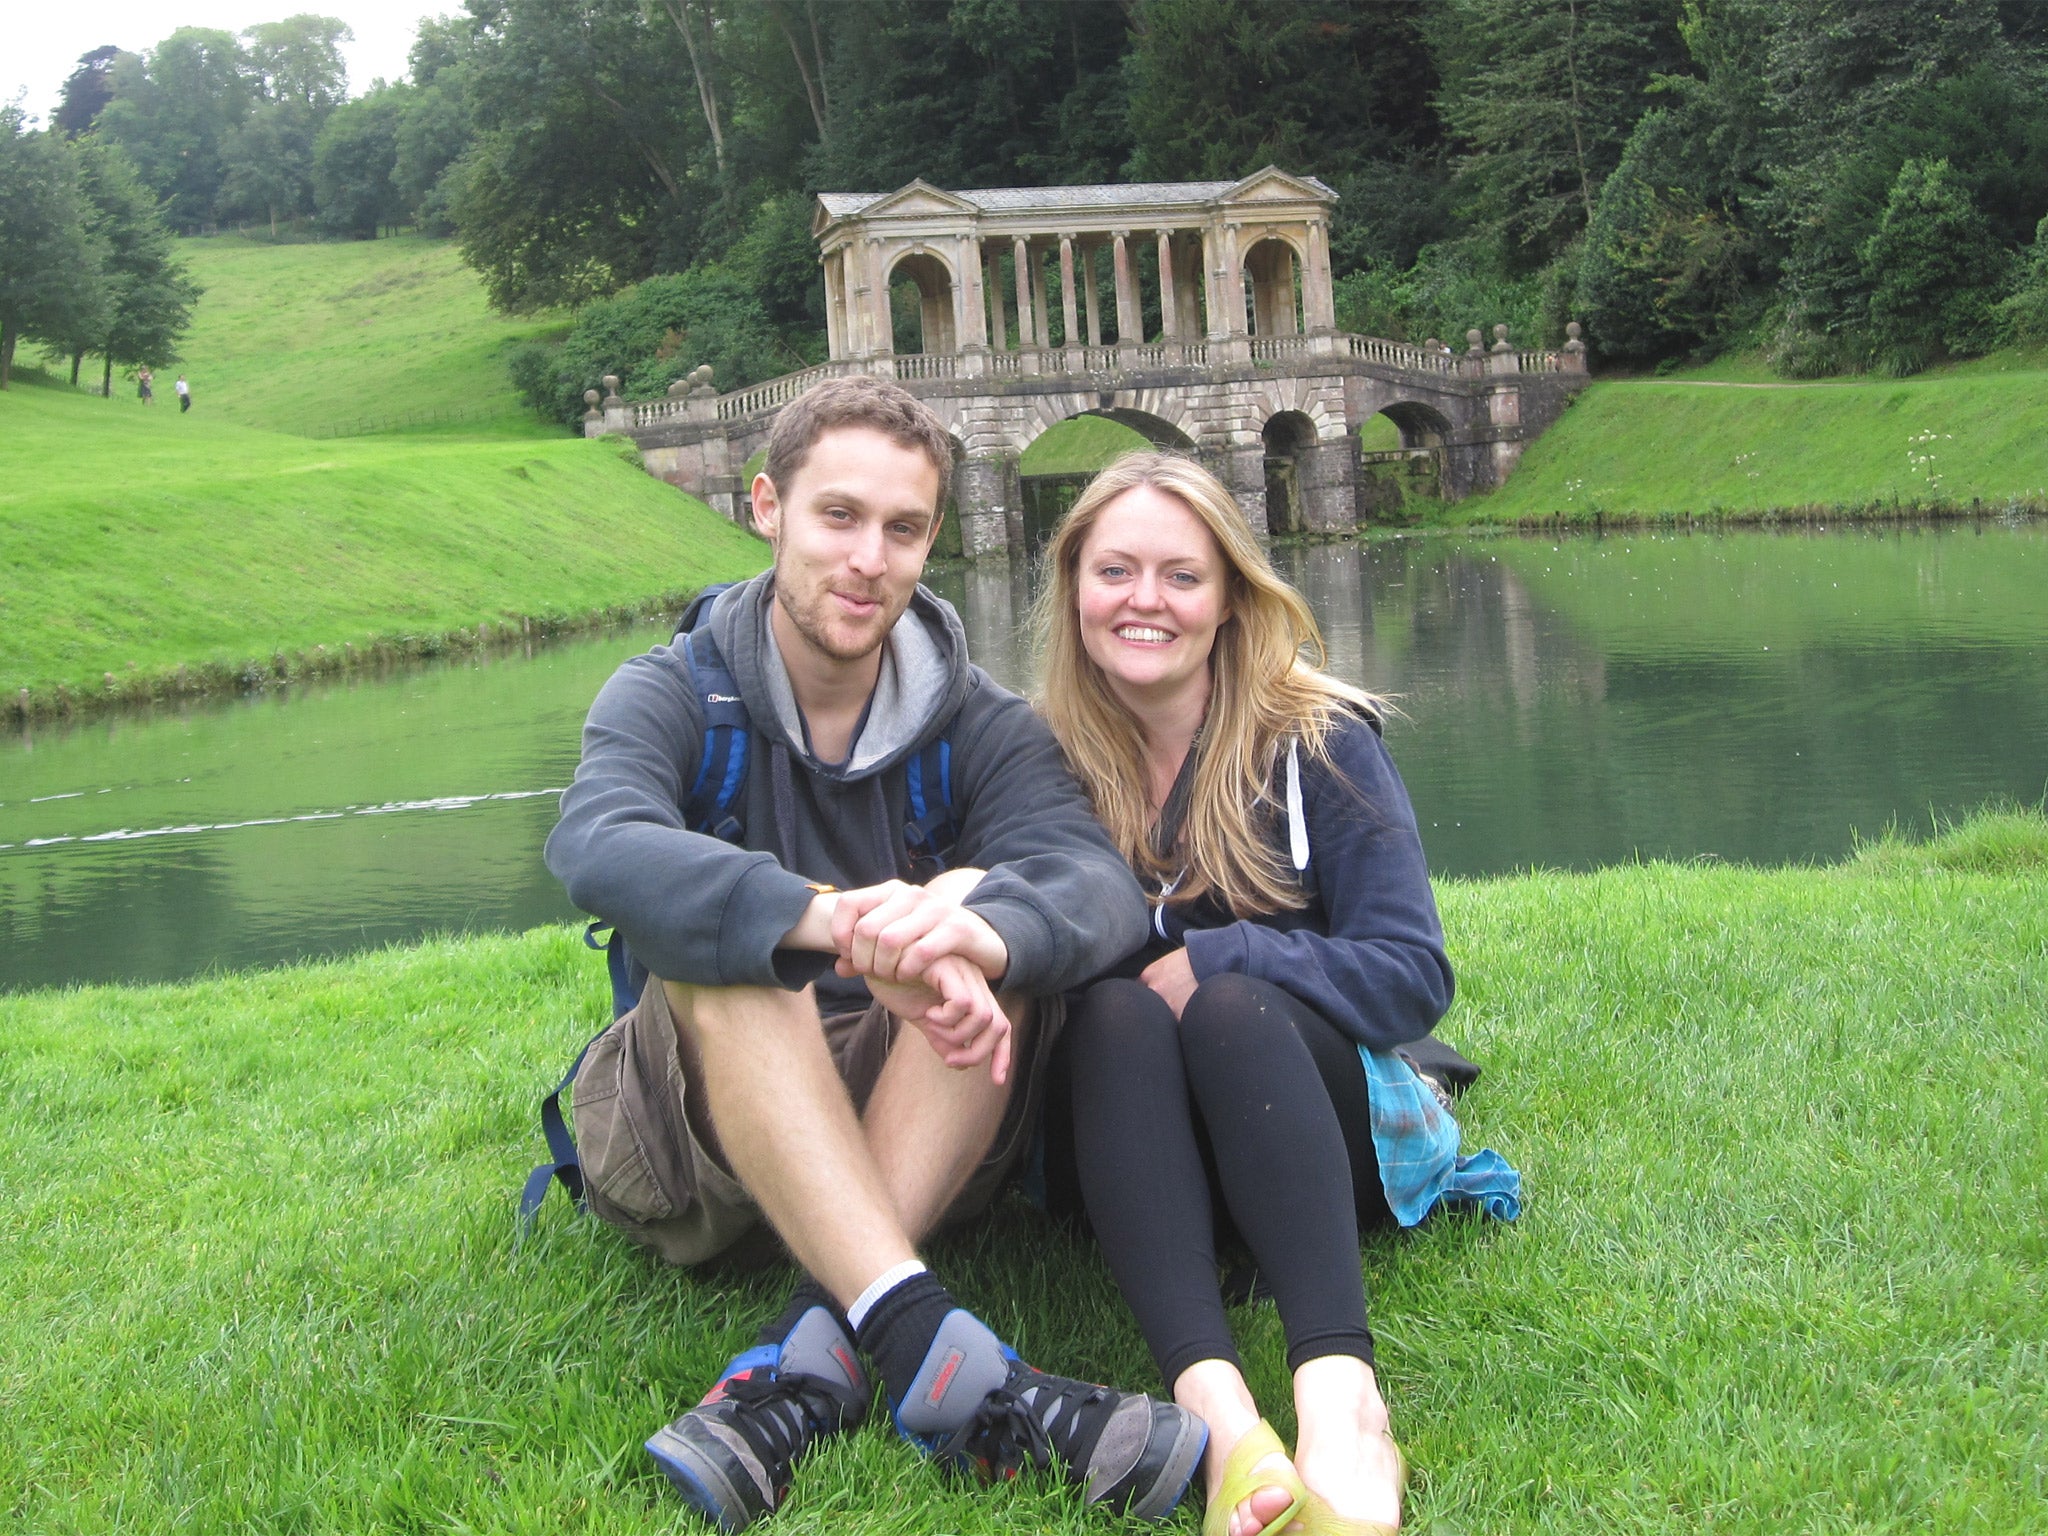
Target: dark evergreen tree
(1541,96)
(89,88)
(1934,270)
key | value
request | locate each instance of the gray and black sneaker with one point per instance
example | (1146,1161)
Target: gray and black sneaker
(730,1456)
(977,1408)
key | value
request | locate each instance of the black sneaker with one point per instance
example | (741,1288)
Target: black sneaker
(977,1408)
(730,1456)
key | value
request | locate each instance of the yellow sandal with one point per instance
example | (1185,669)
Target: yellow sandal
(1242,1478)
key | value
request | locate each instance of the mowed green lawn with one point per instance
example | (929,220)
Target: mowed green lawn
(353,335)
(1783,1264)
(1657,448)
(137,540)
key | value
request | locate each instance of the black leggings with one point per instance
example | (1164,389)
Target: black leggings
(1252,1101)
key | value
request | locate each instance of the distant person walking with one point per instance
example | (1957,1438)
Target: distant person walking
(184,395)
(142,383)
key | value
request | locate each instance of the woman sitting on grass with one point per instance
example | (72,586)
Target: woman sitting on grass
(1246,1059)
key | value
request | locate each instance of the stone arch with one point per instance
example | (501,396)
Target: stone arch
(1394,483)
(1288,436)
(1156,430)
(1275,268)
(1160,417)
(1421,426)
(933,274)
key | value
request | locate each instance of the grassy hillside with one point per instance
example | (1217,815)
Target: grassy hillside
(1655,448)
(1780,1269)
(137,540)
(351,336)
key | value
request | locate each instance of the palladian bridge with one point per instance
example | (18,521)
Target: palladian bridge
(1219,338)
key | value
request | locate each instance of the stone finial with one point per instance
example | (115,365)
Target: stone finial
(1500,339)
(590,400)
(1474,346)
(1431,344)
(678,389)
(611,390)
(699,380)
(1574,337)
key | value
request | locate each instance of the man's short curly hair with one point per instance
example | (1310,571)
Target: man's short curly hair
(859,400)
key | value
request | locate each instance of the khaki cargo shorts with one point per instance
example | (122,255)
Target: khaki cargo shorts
(648,1171)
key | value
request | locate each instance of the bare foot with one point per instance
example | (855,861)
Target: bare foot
(1216,1391)
(1346,1453)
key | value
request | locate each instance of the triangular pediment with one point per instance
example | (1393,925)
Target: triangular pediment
(919,198)
(1273,185)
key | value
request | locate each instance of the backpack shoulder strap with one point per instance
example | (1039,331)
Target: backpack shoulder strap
(933,830)
(723,768)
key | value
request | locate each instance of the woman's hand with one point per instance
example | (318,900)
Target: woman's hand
(1172,977)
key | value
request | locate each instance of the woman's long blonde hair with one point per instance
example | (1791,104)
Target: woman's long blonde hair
(1267,685)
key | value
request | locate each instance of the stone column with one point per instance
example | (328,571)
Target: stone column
(971,324)
(618,416)
(1242,467)
(1328,475)
(1213,269)
(882,323)
(1319,301)
(999,323)
(1041,306)
(1088,292)
(1128,331)
(1020,253)
(987,506)
(835,309)
(1234,320)
(1069,320)
(1504,404)
(1187,284)
(1169,313)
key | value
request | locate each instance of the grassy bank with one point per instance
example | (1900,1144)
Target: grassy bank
(1782,1265)
(178,552)
(1972,439)
(352,337)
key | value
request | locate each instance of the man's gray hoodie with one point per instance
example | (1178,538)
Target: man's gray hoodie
(698,910)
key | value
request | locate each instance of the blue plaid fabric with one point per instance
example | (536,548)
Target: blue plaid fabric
(1417,1142)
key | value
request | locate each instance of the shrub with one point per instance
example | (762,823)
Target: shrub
(650,336)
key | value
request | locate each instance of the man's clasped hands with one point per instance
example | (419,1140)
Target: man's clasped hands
(925,957)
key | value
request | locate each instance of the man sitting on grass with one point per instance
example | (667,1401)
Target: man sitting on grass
(765,1073)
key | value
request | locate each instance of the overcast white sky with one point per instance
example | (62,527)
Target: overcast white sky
(40,40)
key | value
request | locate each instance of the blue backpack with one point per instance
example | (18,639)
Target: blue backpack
(713,808)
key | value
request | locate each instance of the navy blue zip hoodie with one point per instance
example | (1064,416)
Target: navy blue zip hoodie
(1367,952)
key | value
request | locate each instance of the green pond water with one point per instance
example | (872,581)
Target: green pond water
(1757,696)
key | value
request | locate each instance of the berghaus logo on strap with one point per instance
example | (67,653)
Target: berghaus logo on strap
(944,1379)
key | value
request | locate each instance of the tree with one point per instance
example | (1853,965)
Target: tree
(173,111)
(299,60)
(150,293)
(90,88)
(1542,97)
(589,170)
(353,161)
(267,163)
(1934,270)
(1219,88)
(435,127)
(51,286)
